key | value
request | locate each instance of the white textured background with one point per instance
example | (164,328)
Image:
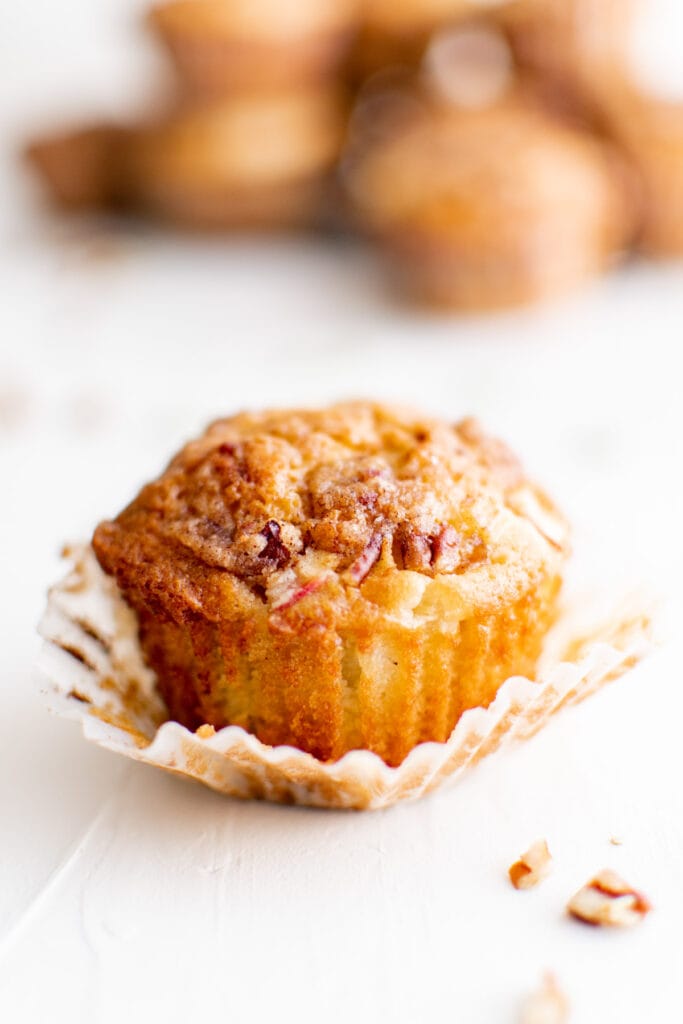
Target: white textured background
(126,895)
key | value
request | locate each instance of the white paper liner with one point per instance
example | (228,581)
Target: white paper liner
(93,662)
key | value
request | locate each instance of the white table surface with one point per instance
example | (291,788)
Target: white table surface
(129,895)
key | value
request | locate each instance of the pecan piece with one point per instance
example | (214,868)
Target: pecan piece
(609,901)
(446,550)
(532,867)
(548,1005)
(412,549)
(274,550)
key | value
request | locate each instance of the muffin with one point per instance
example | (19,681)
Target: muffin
(352,578)
(260,161)
(394,34)
(650,131)
(82,168)
(576,47)
(492,207)
(256,161)
(225,46)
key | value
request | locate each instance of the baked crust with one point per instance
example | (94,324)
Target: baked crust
(350,578)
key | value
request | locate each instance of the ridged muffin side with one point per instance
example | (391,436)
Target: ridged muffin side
(350,578)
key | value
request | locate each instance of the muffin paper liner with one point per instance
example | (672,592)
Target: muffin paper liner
(96,674)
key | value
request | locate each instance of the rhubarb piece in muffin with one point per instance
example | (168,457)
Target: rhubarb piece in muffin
(355,577)
(395,33)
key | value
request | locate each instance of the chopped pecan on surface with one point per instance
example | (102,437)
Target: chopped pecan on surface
(532,867)
(610,901)
(547,1005)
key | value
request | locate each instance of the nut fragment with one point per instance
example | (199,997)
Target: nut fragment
(532,867)
(274,550)
(609,900)
(547,1005)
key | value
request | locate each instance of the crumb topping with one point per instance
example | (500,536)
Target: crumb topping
(282,499)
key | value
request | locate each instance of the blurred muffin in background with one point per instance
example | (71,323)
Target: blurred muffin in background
(574,47)
(465,66)
(649,131)
(82,169)
(258,161)
(396,32)
(485,201)
(643,113)
(500,151)
(225,46)
(592,55)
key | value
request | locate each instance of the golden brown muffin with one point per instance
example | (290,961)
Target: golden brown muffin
(256,161)
(259,161)
(479,209)
(396,32)
(350,578)
(223,46)
(650,132)
(576,47)
(82,168)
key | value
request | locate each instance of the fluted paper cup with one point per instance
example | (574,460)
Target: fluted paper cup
(95,673)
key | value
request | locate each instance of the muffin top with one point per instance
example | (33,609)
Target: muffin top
(444,167)
(271,506)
